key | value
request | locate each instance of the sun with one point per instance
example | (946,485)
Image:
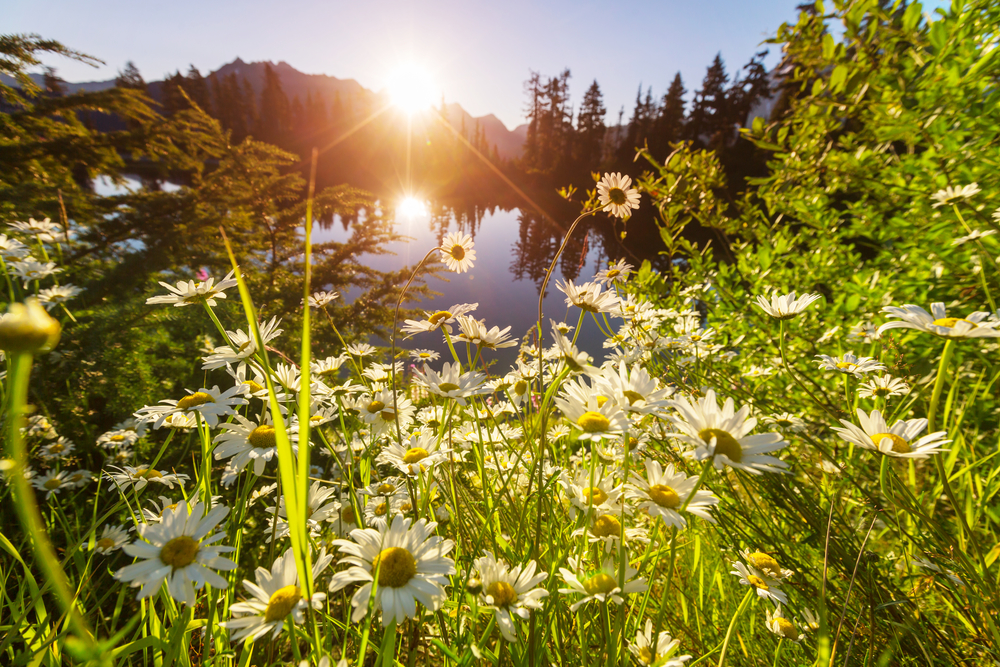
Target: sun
(411,207)
(411,88)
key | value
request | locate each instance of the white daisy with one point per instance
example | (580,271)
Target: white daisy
(118,439)
(509,591)
(452,383)
(11,249)
(765,586)
(975,235)
(616,195)
(276,596)
(378,411)
(319,508)
(211,404)
(938,323)
(850,364)
(664,492)
(896,441)
(634,389)
(785,307)
(320,299)
(786,420)
(724,435)
(663,654)
(416,456)
(51,482)
(424,355)
(615,273)
(179,551)
(781,626)
(40,228)
(594,418)
(474,331)
(247,441)
(409,565)
(140,476)
(53,296)
(600,585)
(437,320)
(952,195)
(883,386)
(189,292)
(112,538)
(598,496)
(589,297)
(457,252)
(242,345)
(57,449)
(28,270)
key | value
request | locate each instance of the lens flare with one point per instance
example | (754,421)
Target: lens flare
(411,88)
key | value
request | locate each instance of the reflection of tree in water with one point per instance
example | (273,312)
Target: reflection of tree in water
(465,217)
(536,245)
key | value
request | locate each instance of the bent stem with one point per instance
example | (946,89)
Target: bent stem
(27,508)
(732,624)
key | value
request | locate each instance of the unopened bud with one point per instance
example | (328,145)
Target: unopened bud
(474,585)
(28,328)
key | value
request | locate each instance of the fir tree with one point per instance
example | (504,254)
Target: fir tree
(710,123)
(590,129)
(130,78)
(669,124)
(197,89)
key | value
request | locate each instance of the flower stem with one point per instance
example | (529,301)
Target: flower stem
(732,624)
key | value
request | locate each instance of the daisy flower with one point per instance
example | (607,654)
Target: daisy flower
(59,449)
(786,420)
(766,587)
(781,626)
(594,418)
(663,654)
(179,551)
(417,455)
(766,564)
(883,386)
(952,195)
(424,355)
(849,364)
(616,195)
(405,563)
(787,306)
(665,492)
(28,270)
(276,596)
(140,476)
(457,252)
(509,591)
(975,235)
(938,323)
(437,320)
(51,482)
(211,404)
(635,390)
(189,292)
(599,496)
(898,441)
(247,441)
(118,439)
(475,332)
(53,296)
(589,297)
(724,435)
(319,508)
(600,585)
(11,249)
(320,299)
(615,273)
(452,383)
(242,345)
(379,411)
(112,538)
(39,228)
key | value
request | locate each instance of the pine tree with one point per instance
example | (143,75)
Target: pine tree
(274,109)
(669,124)
(130,78)
(171,97)
(590,129)
(711,122)
(197,89)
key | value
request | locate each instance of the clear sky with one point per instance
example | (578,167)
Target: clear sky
(479,53)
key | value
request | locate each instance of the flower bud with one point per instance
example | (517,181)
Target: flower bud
(28,328)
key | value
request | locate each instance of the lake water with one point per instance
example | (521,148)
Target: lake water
(513,250)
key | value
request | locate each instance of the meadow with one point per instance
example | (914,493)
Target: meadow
(788,454)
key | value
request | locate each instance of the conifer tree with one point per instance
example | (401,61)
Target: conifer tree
(710,123)
(197,89)
(590,129)
(669,125)
(130,78)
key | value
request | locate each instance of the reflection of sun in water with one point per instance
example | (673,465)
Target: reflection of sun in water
(411,207)
(411,88)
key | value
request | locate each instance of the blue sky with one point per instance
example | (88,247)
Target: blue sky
(479,53)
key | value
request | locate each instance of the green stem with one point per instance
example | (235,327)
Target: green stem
(732,624)
(27,508)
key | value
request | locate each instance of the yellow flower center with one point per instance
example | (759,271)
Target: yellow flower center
(179,552)
(600,583)
(116,438)
(447,386)
(503,594)
(254,387)
(105,543)
(194,400)
(593,422)
(56,447)
(415,455)
(439,317)
(785,628)
(606,526)
(263,437)
(664,496)
(899,445)
(148,473)
(765,563)
(457,252)
(282,603)
(520,387)
(53,484)
(724,443)
(595,495)
(950,322)
(757,582)
(617,196)
(375,406)
(382,508)
(646,656)
(601,400)
(347,515)
(633,396)
(386,488)
(388,414)
(846,365)
(395,566)
(613,273)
